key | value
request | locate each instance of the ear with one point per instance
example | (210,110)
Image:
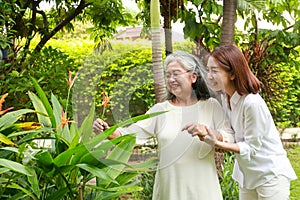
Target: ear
(231,76)
(194,77)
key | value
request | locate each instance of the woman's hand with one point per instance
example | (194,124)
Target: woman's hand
(196,129)
(211,137)
(99,126)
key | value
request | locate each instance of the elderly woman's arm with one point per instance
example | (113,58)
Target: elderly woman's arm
(99,126)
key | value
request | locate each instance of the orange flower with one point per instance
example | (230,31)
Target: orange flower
(64,120)
(1,102)
(71,81)
(105,102)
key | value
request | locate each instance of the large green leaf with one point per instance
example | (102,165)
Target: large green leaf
(100,137)
(44,158)
(34,183)
(70,156)
(62,131)
(98,172)
(14,166)
(58,194)
(45,101)
(86,128)
(40,108)
(122,153)
(5,140)
(74,132)
(112,193)
(12,149)
(24,190)
(11,117)
(139,118)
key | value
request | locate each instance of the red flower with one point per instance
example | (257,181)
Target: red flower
(1,102)
(71,81)
(105,102)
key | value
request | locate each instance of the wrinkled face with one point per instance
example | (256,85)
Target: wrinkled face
(218,78)
(179,80)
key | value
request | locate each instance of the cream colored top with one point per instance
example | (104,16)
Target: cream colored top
(186,168)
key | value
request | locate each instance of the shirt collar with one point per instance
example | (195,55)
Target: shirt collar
(235,98)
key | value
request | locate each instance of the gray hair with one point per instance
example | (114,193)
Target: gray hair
(192,64)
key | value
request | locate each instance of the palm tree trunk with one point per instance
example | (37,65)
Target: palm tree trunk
(227,37)
(158,73)
(229,19)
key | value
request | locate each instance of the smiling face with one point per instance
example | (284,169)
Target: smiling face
(219,79)
(179,80)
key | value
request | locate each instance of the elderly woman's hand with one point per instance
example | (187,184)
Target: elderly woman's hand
(196,129)
(99,126)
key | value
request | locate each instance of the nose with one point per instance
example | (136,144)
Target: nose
(171,78)
(209,76)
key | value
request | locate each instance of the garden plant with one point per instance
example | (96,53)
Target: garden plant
(53,158)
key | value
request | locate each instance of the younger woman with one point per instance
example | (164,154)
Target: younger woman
(262,168)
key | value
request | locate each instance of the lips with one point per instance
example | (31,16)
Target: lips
(213,83)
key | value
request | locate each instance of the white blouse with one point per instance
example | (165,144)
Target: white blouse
(262,156)
(186,168)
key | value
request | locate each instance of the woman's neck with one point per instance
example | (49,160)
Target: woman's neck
(184,101)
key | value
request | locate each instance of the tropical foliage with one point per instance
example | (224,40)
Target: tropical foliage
(55,158)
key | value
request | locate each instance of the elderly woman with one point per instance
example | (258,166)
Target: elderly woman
(186,168)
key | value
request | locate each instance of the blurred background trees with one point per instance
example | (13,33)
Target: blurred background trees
(28,30)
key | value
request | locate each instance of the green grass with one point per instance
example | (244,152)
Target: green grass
(293,154)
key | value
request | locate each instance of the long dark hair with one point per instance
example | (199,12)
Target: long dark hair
(192,64)
(231,59)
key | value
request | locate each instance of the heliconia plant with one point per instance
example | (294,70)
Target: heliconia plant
(76,163)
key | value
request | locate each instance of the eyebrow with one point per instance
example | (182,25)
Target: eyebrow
(213,67)
(176,70)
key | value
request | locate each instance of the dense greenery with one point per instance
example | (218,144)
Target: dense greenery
(55,158)
(121,84)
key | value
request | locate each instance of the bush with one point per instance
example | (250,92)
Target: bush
(229,186)
(50,67)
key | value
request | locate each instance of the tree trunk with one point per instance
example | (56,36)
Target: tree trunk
(168,37)
(228,24)
(158,73)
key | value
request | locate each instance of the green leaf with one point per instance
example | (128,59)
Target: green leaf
(6,140)
(100,173)
(11,117)
(14,166)
(63,132)
(3,170)
(34,183)
(44,158)
(139,118)
(45,101)
(12,149)
(86,128)
(75,135)
(58,194)
(122,153)
(40,108)
(18,187)
(70,156)
(116,191)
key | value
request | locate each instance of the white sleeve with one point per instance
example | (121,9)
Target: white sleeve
(254,129)
(221,123)
(144,129)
